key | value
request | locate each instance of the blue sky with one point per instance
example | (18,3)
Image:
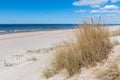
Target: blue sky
(58,11)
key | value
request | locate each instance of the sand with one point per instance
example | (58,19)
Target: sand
(16,51)
(23,56)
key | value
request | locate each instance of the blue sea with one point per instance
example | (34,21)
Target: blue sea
(17,28)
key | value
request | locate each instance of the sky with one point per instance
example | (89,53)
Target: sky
(58,11)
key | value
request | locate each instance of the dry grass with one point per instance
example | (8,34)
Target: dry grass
(91,45)
(68,58)
(7,64)
(32,59)
(112,73)
(47,73)
(115,33)
(115,42)
(93,42)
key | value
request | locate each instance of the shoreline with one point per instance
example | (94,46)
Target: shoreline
(14,32)
(5,32)
(19,47)
(28,53)
(20,42)
(30,33)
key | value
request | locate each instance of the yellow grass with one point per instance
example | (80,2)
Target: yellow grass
(91,45)
(48,73)
(112,73)
(68,58)
(115,33)
(94,44)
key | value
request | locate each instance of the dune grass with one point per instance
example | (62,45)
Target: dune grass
(112,73)
(68,58)
(93,41)
(47,73)
(115,33)
(91,44)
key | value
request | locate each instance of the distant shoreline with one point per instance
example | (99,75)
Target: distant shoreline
(18,28)
(21,28)
(14,32)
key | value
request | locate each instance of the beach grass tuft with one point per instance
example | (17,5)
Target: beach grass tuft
(33,58)
(112,73)
(115,33)
(47,73)
(91,45)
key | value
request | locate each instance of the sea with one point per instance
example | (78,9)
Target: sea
(18,28)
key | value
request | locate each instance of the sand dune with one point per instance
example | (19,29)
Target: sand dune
(23,56)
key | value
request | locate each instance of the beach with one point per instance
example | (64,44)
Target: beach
(23,56)
(59,39)
(17,49)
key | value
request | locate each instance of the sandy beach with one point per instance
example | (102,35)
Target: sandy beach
(23,56)
(16,50)
(59,39)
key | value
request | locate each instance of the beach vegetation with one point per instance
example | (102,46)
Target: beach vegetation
(111,73)
(7,64)
(33,58)
(115,33)
(91,45)
(48,72)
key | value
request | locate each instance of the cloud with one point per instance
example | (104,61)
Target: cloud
(104,11)
(107,9)
(110,11)
(92,3)
(113,1)
(110,7)
(110,15)
(94,11)
(81,11)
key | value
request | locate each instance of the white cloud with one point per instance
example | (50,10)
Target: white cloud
(81,11)
(92,3)
(110,15)
(113,1)
(107,9)
(110,7)
(110,11)
(94,11)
